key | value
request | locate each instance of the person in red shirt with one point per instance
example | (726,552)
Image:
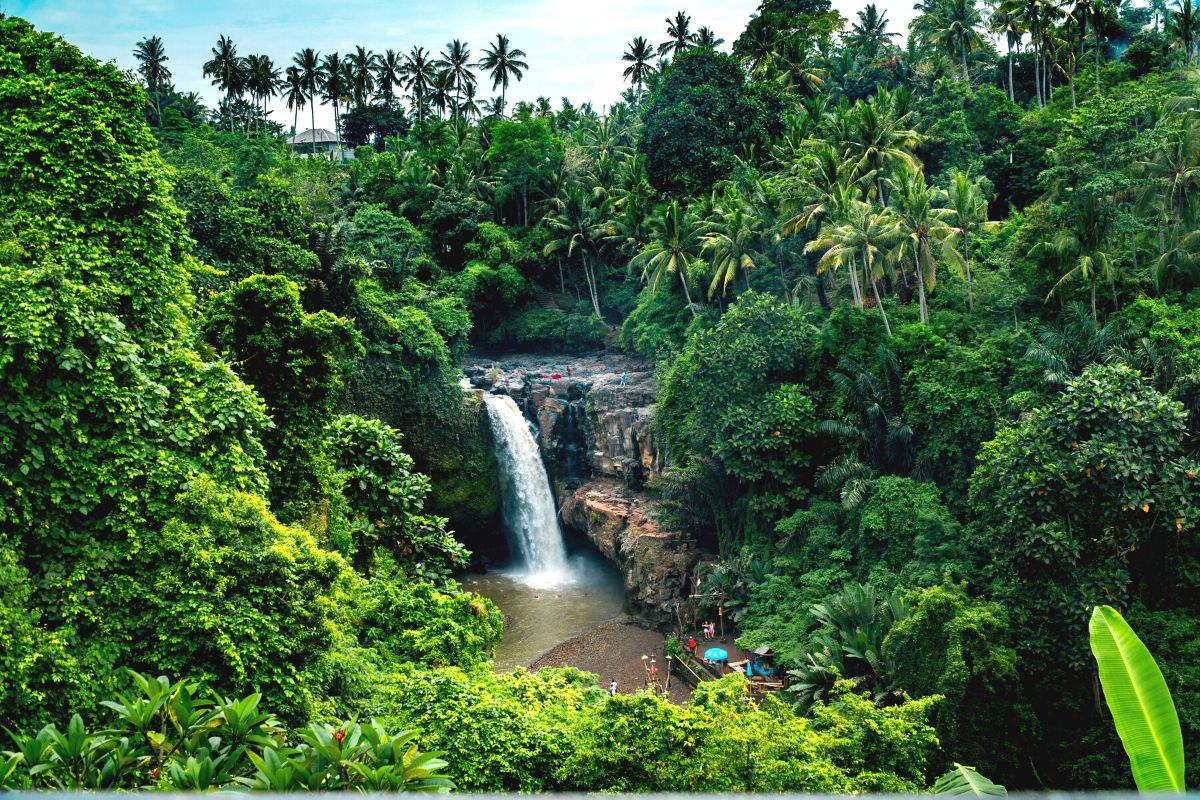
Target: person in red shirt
(691,643)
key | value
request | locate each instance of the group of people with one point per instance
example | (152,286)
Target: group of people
(710,631)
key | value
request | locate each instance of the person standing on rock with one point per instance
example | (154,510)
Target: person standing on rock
(622,377)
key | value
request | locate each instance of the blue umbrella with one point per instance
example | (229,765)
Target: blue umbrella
(715,654)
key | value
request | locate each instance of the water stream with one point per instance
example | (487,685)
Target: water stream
(527,504)
(546,597)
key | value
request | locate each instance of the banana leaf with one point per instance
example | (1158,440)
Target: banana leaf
(1140,702)
(966,782)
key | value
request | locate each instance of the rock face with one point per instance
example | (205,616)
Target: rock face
(593,430)
(656,563)
(589,423)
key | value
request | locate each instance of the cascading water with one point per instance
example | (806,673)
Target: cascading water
(527,505)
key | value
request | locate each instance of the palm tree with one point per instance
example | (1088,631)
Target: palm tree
(503,64)
(388,70)
(1159,9)
(1006,22)
(673,248)
(970,213)
(333,86)
(580,226)
(308,61)
(732,240)
(924,231)
(870,33)
(1084,246)
(455,64)
(878,140)
(190,107)
(638,56)
(152,66)
(362,64)
(795,69)
(954,28)
(1184,24)
(295,94)
(859,237)
(419,75)
(226,70)
(681,37)
(706,37)
(262,80)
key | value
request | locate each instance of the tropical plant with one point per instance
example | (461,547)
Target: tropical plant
(859,237)
(638,57)
(308,61)
(227,70)
(924,231)
(680,35)
(962,781)
(1140,702)
(673,248)
(420,75)
(388,75)
(455,65)
(504,63)
(152,66)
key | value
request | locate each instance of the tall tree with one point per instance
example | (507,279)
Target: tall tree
(362,63)
(295,94)
(1083,246)
(334,84)
(420,74)
(503,63)
(673,248)
(388,71)
(152,66)
(262,81)
(707,37)
(954,25)
(227,71)
(308,61)
(580,225)
(639,56)
(924,231)
(733,240)
(455,64)
(870,34)
(860,237)
(1006,22)
(681,36)
(970,213)
(1183,24)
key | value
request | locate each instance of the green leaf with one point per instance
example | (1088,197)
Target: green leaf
(966,782)
(1140,702)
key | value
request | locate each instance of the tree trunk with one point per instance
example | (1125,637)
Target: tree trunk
(1037,68)
(922,305)
(879,304)
(855,295)
(1011,96)
(966,74)
(312,107)
(1094,317)
(590,275)
(1133,248)
(967,264)
(687,293)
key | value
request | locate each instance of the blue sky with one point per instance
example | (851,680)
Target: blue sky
(574,48)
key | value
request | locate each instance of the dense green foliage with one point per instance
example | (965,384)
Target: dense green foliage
(926,323)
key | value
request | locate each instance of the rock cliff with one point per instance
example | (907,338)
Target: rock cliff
(593,429)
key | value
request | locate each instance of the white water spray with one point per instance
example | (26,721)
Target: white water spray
(527,505)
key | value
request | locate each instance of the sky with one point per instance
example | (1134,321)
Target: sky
(573,47)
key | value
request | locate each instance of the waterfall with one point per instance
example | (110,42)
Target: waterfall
(527,505)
